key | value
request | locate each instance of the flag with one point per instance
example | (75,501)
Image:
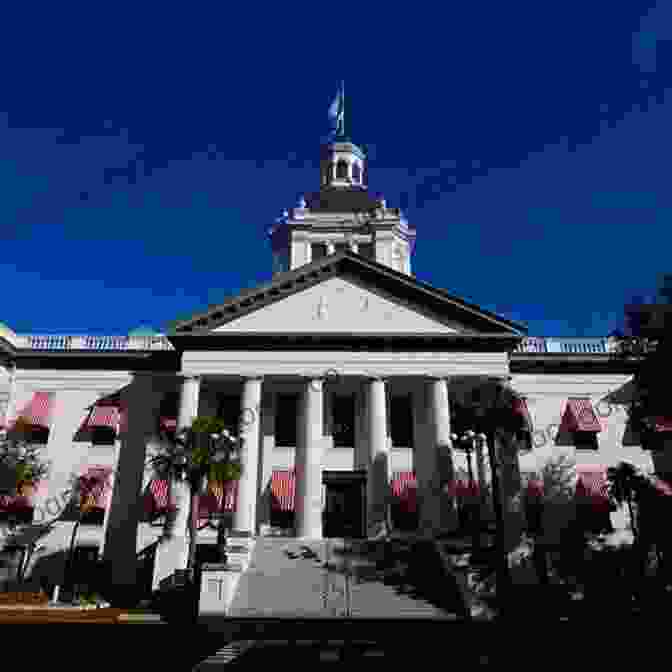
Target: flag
(337,113)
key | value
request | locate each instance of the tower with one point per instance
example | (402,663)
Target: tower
(342,215)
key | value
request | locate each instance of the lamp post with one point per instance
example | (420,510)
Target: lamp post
(466,443)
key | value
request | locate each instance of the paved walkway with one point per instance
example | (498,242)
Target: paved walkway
(288,578)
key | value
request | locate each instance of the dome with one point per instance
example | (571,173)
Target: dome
(143,331)
(5,330)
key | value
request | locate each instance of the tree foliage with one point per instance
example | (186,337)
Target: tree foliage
(21,462)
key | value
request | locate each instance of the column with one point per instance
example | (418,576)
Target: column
(378,478)
(244,517)
(266,456)
(189,396)
(10,409)
(438,507)
(331,248)
(141,402)
(361,452)
(308,461)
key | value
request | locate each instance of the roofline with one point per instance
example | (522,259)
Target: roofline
(331,260)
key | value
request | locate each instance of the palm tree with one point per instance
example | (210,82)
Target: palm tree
(201,454)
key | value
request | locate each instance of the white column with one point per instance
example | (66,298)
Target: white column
(267,445)
(141,400)
(361,452)
(244,517)
(10,409)
(308,462)
(189,395)
(378,478)
(438,508)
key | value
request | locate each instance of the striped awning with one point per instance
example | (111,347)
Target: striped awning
(283,488)
(14,503)
(580,416)
(157,495)
(592,484)
(662,423)
(534,488)
(220,497)
(520,409)
(103,416)
(168,424)
(404,489)
(463,488)
(37,412)
(98,489)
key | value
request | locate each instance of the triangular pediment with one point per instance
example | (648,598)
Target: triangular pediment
(346,293)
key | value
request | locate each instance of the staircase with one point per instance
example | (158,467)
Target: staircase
(322,579)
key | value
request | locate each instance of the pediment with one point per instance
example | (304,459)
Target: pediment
(346,293)
(339,305)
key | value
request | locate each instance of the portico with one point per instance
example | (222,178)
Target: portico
(371,379)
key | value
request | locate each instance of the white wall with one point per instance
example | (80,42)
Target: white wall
(547,395)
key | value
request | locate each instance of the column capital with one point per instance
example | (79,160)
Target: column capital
(250,378)
(374,378)
(430,377)
(189,376)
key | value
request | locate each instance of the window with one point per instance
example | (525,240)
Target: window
(18,515)
(93,517)
(103,436)
(355,172)
(401,421)
(585,441)
(36,435)
(341,247)
(285,419)
(342,170)
(366,250)
(344,421)
(318,250)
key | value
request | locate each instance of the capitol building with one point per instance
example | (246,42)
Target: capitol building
(346,377)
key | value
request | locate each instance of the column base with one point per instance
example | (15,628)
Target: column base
(171,554)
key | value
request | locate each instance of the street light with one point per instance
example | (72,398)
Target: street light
(466,443)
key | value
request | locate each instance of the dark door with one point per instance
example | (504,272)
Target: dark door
(344,507)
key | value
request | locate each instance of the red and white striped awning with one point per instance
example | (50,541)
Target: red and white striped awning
(168,424)
(580,416)
(157,495)
(15,503)
(220,497)
(463,488)
(534,488)
(404,489)
(592,484)
(662,423)
(283,487)
(37,412)
(103,416)
(519,408)
(98,496)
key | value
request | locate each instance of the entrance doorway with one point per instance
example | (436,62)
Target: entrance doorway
(345,504)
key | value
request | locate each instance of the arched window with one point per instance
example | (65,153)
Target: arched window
(342,170)
(355,172)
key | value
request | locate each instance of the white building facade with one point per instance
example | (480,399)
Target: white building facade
(344,375)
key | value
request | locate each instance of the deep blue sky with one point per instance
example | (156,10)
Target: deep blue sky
(145,152)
